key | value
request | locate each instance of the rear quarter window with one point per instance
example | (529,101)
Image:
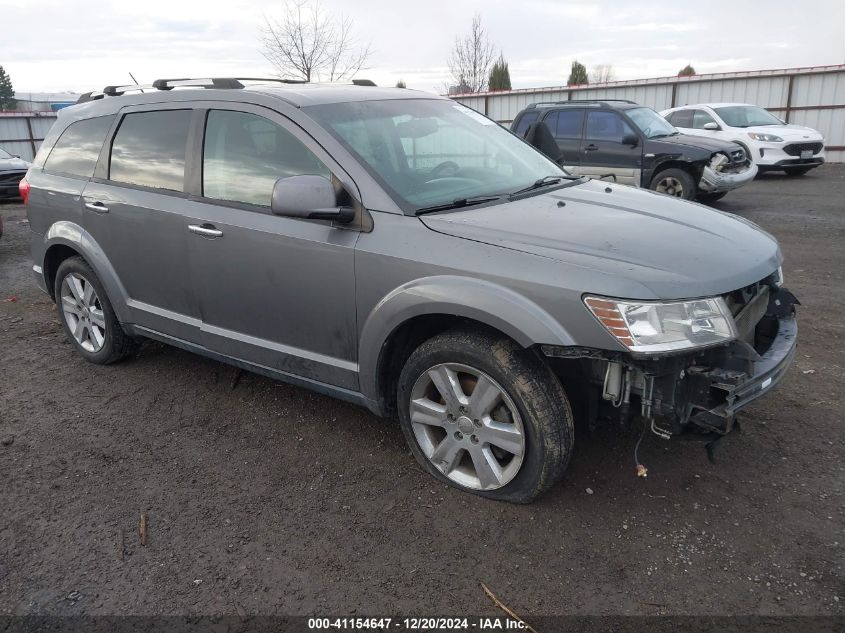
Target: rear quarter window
(78,147)
(525,121)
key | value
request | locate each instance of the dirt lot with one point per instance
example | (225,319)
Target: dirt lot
(264,498)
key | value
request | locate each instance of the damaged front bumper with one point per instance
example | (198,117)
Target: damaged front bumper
(696,392)
(713,180)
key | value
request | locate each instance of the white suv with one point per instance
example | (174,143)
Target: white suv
(772,143)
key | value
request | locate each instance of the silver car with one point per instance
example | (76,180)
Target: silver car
(407,254)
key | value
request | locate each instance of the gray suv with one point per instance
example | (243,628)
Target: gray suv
(405,253)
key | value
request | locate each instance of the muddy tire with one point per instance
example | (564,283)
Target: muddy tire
(484,415)
(674,182)
(87,315)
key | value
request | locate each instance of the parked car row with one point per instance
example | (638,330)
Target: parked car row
(12,171)
(693,152)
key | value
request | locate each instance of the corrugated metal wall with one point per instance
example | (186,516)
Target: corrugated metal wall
(21,134)
(814,97)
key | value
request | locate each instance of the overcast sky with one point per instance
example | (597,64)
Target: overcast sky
(58,45)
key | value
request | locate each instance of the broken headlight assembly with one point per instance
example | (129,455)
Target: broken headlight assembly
(654,327)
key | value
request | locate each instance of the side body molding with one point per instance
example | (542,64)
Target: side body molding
(481,300)
(72,235)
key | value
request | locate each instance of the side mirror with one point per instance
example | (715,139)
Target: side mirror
(309,197)
(631,139)
(712,125)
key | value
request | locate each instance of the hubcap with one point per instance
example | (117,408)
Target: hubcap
(671,187)
(83,312)
(467,426)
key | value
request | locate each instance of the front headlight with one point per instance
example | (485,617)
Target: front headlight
(644,326)
(768,138)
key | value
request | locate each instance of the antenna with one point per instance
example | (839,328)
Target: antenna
(136,81)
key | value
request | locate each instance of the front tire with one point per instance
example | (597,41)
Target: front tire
(484,415)
(674,182)
(707,198)
(87,315)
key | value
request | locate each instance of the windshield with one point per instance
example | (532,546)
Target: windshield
(430,152)
(4,153)
(746,116)
(650,123)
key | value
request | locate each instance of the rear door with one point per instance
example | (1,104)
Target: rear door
(604,155)
(567,127)
(278,292)
(133,208)
(681,119)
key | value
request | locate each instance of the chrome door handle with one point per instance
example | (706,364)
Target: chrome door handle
(205,230)
(99,207)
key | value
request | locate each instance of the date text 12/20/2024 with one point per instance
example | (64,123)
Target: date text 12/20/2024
(431,624)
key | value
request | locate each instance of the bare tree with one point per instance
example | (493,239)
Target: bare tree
(602,74)
(306,43)
(471,58)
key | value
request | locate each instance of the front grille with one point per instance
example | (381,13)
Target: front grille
(795,149)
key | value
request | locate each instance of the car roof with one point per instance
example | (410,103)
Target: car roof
(586,103)
(298,94)
(711,105)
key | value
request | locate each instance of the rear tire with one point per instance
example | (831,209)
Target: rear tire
(796,171)
(87,315)
(707,198)
(674,182)
(511,441)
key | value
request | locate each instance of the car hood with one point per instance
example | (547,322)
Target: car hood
(685,140)
(672,248)
(787,132)
(13,164)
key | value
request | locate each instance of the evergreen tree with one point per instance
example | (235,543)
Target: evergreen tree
(500,76)
(7,93)
(401,84)
(578,75)
(686,71)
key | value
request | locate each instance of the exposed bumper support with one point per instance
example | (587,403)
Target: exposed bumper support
(713,181)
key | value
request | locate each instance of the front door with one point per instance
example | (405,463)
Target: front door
(275,291)
(604,155)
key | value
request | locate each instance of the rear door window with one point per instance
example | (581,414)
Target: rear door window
(149,149)
(681,118)
(244,154)
(77,150)
(569,124)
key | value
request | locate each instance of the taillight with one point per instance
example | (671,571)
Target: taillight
(23,188)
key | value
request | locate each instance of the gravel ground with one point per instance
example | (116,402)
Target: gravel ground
(265,498)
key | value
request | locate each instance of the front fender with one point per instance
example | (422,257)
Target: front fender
(486,302)
(74,236)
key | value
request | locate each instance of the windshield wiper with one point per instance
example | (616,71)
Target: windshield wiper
(456,204)
(545,181)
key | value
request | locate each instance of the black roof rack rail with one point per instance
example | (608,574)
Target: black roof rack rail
(220,83)
(582,101)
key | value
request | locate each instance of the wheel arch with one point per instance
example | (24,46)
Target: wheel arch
(423,308)
(68,239)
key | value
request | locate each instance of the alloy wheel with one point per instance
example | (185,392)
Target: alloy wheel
(467,426)
(83,312)
(670,186)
